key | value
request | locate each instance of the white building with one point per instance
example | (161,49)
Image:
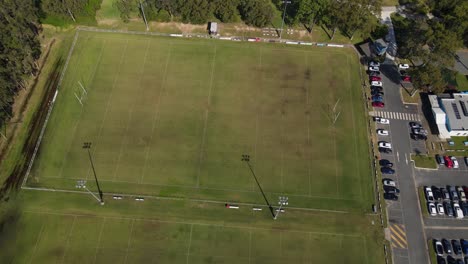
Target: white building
(450,114)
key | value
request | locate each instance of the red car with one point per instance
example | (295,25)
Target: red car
(406,78)
(378,104)
(448,162)
(375,78)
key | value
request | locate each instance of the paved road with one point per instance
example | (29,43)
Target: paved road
(386,20)
(406,211)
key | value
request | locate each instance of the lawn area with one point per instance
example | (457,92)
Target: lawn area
(107,11)
(459,148)
(180,231)
(172,117)
(424,161)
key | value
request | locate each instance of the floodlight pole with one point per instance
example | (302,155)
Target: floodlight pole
(246,158)
(286,2)
(87,146)
(283,200)
(82,184)
(144,16)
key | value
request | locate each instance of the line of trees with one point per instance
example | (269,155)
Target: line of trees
(349,16)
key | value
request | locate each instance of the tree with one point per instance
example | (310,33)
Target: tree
(125,7)
(195,11)
(258,13)
(225,10)
(310,12)
(428,77)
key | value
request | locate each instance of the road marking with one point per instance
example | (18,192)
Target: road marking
(398,236)
(396,115)
(406,158)
(398,156)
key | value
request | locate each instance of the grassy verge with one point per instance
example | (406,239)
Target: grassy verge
(432,254)
(423,161)
(422,201)
(408,99)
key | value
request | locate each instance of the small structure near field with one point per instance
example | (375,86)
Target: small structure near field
(213,28)
(451,114)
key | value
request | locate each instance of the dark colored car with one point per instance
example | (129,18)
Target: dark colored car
(448,208)
(376,88)
(447,246)
(445,194)
(439,159)
(385,163)
(441,260)
(464,246)
(391,189)
(385,150)
(415,125)
(438,248)
(390,196)
(377,98)
(464,207)
(459,261)
(374,73)
(377,93)
(386,170)
(418,137)
(437,193)
(451,260)
(456,247)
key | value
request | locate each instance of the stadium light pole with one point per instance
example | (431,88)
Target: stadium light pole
(246,158)
(286,2)
(282,201)
(87,146)
(144,16)
(81,184)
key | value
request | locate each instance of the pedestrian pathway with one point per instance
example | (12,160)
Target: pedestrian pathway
(398,236)
(396,115)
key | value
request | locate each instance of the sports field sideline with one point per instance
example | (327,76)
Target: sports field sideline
(172,117)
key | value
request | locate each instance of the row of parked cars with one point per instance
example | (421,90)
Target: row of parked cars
(391,192)
(449,200)
(449,161)
(375,84)
(417,131)
(445,249)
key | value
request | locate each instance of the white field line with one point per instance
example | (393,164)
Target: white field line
(81,112)
(282,137)
(109,99)
(350,88)
(221,225)
(156,113)
(257,116)
(190,244)
(129,241)
(68,239)
(207,111)
(51,106)
(99,240)
(122,143)
(309,156)
(207,188)
(37,242)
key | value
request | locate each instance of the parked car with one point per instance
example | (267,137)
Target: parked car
(376,88)
(437,193)
(419,131)
(374,64)
(385,163)
(390,196)
(377,98)
(448,208)
(448,162)
(466,162)
(388,182)
(456,247)
(374,73)
(385,144)
(418,137)
(385,150)
(465,189)
(378,104)
(447,246)
(441,260)
(438,248)
(382,132)
(445,194)
(439,159)
(431,208)
(464,207)
(403,66)
(414,125)
(429,194)
(391,189)
(377,92)
(386,170)
(453,193)
(381,120)
(373,68)
(375,78)
(455,162)
(464,246)
(376,83)
(406,78)
(458,211)
(451,260)
(440,209)
(461,194)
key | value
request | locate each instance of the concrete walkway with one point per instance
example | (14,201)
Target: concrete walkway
(390,38)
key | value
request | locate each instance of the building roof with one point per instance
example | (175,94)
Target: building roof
(461,62)
(456,109)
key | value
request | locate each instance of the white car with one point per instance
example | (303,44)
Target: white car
(458,211)
(432,209)
(376,83)
(383,121)
(388,182)
(382,132)
(383,144)
(373,68)
(374,64)
(429,194)
(440,209)
(455,162)
(461,194)
(403,66)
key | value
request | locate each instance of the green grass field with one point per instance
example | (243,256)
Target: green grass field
(170,118)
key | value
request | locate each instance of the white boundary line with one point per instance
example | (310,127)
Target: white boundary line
(207,112)
(258,113)
(129,240)
(190,244)
(99,240)
(39,237)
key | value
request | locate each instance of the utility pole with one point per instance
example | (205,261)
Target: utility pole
(144,16)
(286,2)
(246,158)
(87,146)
